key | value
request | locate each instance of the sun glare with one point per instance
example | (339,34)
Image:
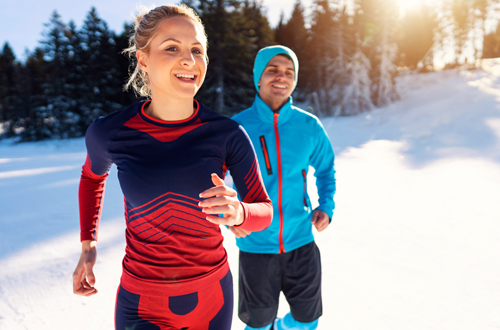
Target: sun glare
(409,5)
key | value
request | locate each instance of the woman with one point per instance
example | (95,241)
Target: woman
(171,153)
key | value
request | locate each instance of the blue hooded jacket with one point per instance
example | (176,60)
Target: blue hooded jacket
(286,144)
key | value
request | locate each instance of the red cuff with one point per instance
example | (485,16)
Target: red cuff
(258,216)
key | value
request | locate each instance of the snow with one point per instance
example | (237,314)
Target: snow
(414,242)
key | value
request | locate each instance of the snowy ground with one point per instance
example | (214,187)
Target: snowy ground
(414,243)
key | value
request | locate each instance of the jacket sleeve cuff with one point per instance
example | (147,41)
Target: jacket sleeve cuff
(327,210)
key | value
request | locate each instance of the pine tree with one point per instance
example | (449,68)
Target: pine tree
(124,64)
(461,13)
(236,31)
(32,78)
(415,36)
(217,26)
(294,35)
(480,13)
(386,90)
(100,70)
(320,86)
(256,34)
(491,44)
(341,42)
(367,22)
(281,34)
(54,112)
(8,91)
(75,84)
(356,96)
(379,22)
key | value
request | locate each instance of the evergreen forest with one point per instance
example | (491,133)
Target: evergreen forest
(350,52)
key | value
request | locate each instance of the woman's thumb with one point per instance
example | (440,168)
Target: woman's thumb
(90,276)
(216,180)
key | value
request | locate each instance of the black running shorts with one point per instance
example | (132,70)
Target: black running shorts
(262,276)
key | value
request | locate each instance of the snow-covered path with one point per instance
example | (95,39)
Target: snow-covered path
(414,243)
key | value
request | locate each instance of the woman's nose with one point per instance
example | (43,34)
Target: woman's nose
(187,59)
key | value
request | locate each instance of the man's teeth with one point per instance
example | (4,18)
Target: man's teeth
(190,76)
(280,86)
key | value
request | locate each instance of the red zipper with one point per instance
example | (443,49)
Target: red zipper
(304,174)
(280,204)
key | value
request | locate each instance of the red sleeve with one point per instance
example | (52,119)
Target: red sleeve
(90,197)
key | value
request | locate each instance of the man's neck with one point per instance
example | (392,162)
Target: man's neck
(274,104)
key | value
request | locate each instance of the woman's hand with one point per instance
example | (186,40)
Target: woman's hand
(83,277)
(222,200)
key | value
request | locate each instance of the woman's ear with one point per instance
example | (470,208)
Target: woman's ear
(142,60)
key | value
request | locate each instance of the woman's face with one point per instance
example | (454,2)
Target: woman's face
(176,62)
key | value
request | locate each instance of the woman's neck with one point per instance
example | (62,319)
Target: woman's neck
(169,109)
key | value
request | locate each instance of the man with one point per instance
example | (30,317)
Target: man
(284,257)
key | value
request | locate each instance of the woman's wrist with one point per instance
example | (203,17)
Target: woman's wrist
(87,245)
(241,215)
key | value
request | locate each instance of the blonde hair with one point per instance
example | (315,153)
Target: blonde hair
(145,28)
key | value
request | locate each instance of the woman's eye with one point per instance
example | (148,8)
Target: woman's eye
(196,51)
(171,49)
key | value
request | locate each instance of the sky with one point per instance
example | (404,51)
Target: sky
(21,21)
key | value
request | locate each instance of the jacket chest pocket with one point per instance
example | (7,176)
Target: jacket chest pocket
(265,151)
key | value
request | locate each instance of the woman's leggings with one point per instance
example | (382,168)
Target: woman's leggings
(207,309)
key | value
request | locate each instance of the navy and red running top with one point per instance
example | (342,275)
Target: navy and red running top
(163,166)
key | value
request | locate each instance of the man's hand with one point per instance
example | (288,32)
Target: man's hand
(320,220)
(222,200)
(83,277)
(238,232)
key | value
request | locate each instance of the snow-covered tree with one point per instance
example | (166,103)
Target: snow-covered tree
(386,90)
(341,43)
(52,114)
(99,69)
(356,96)
(377,22)
(322,53)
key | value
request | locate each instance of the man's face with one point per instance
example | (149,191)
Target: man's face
(277,81)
